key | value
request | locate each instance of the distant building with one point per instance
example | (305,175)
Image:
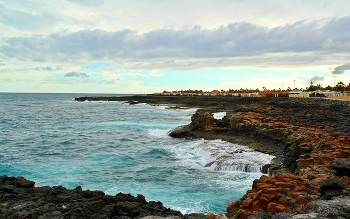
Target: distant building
(268,93)
(215,93)
(323,93)
(298,93)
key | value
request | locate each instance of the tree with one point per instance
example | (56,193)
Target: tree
(313,87)
(340,86)
(328,87)
(348,87)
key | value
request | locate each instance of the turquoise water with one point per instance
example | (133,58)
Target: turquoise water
(117,147)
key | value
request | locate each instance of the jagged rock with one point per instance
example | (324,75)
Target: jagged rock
(331,188)
(335,208)
(202,120)
(181,132)
(277,194)
(341,167)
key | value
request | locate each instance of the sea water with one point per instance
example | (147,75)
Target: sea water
(117,147)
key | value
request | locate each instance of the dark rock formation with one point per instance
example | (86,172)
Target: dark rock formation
(181,132)
(20,199)
(341,167)
(330,188)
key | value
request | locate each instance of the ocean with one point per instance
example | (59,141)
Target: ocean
(117,147)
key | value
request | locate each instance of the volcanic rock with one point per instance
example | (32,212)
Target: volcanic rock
(19,199)
(341,167)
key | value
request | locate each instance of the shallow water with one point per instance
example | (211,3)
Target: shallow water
(117,147)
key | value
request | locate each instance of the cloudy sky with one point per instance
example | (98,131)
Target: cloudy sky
(146,46)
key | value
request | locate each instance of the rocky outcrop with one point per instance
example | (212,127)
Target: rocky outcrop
(202,120)
(20,199)
(316,155)
(309,147)
(313,155)
(281,193)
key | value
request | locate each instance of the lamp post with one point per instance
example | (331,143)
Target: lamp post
(294,84)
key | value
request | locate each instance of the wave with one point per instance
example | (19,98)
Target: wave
(218,155)
(158,133)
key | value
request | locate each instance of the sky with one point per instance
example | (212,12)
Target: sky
(147,46)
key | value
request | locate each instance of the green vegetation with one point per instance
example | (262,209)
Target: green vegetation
(340,86)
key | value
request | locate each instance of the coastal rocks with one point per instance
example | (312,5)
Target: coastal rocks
(330,188)
(341,167)
(314,154)
(202,120)
(181,132)
(305,143)
(336,208)
(19,199)
(281,193)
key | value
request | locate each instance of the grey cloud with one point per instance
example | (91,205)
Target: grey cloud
(2,64)
(76,74)
(47,68)
(234,40)
(317,79)
(341,69)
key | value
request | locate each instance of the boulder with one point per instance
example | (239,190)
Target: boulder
(181,132)
(341,167)
(330,188)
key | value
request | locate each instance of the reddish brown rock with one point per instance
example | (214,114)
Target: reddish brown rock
(202,120)
(280,193)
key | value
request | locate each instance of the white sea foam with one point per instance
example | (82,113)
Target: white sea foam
(218,155)
(158,133)
(219,115)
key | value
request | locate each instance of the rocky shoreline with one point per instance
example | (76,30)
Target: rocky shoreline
(309,178)
(309,137)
